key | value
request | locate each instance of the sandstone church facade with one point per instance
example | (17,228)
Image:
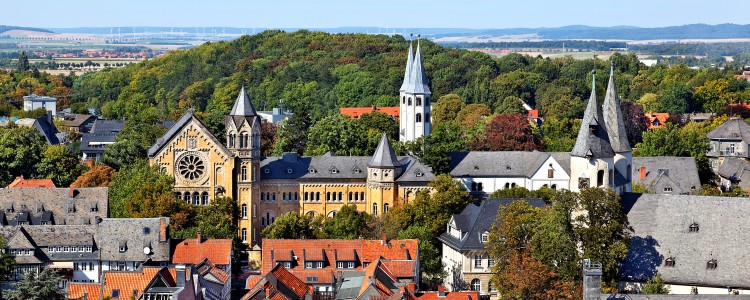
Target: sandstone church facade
(205,167)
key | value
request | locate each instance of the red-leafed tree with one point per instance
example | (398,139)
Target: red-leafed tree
(507,132)
(635,121)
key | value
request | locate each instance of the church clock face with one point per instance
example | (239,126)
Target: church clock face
(191,166)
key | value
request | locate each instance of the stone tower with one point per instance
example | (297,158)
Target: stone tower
(415,97)
(382,171)
(243,140)
(592,159)
(618,138)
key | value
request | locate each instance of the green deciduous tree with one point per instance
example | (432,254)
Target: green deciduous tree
(21,150)
(290,226)
(655,285)
(447,108)
(129,181)
(60,164)
(348,223)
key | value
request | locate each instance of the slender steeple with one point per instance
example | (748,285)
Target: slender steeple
(592,140)
(384,155)
(407,71)
(618,138)
(243,106)
(418,78)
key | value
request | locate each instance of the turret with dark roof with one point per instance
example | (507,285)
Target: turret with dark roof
(242,110)
(592,140)
(618,138)
(384,156)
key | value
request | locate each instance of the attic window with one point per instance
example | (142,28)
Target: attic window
(356,170)
(476,167)
(711,264)
(312,278)
(289,170)
(667,188)
(311,170)
(669,262)
(146,230)
(266,170)
(694,227)
(485,237)
(334,170)
(507,167)
(116,293)
(418,173)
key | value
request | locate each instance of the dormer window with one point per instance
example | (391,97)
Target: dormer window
(289,170)
(694,227)
(485,237)
(266,170)
(123,246)
(712,264)
(311,171)
(345,265)
(334,170)
(313,265)
(418,173)
(669,262)
(356,170)
(667,189)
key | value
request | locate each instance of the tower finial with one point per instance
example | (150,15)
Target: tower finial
(593,80)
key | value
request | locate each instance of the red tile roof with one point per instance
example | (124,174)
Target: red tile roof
(252,281)
(127,282)
(296,285)
(656,120)
(193,251)
(275,251)
(356,112)
(279,284)
(78,290)
(19,182)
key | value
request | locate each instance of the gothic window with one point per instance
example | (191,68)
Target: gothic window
(244,211)
(419,101)
(204,198)
(191,167)
(196,198)
(244,234)
(418,118)
(600,178)
(385,208)
(409,102)
(244,173)
(374,209)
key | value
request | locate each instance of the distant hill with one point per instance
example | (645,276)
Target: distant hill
(4,28)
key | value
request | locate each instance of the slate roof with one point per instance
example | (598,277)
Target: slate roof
(407,70)
(732,129)
(242,111)
(384,156)
(134,235)
(88,138)
(367,251)
(736,170)
(680,174)
(618,138)
(593,140)
(477,219)
(496,163)
(661,225)
(48,130)
(562,158)
(194,251)
(55,206)
(415,171)
(417,77)
(107,126)
(172,131)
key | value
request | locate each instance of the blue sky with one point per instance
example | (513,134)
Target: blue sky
(382,13)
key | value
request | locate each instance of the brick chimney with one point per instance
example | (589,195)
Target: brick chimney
(384,240)
(642,174)
(72,191)
(198,239)
(163,224)
(441,291)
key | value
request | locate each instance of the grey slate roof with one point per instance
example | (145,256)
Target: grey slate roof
(243,106)
(132,234)
(562,158)
(407,70)
(495,163)
(732,129)
(418,78)
(678,173)
(184,120)
(661,225)
(88,138)
(618,138)
(415,171)
(736,170)
(475,220)
(53,205)
(593,140)
(48,130)
(107,126)
(384,156)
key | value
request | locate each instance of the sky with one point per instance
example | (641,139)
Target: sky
(383,13)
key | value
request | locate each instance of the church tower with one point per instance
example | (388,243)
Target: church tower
(592,158)
(382,172)
(618,138)
(243,140)
(415,97)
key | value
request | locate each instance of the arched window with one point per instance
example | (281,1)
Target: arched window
(350,197)
(409,102)
(187,197)
(419,101)
(196,198)
(296,196)
(262,221)
(307,196)
(273,197)
(356,196)
(328,196)
(418,118)
(341,196)
(178,196)
(244,211)
(245,140)
(507,185)
(375,209)
(283,196)
(204,198)
(262,197)
(513,185)
(244,234)
(475,284)
(480,187)
(600,178)
(243,174)
(317,196)
(230,138)
(554,186)
(362,196)
(385,208)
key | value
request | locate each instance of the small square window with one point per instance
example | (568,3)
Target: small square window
(116,293)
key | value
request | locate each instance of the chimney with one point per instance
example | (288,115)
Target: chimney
(163,224)
(592,280)
(268,293)
(642,171)
(180,275)
(199,239)
(384,240)
(441,291)
(72,191)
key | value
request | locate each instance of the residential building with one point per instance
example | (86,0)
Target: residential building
(45,127)
(319,263)
(212,259)
(126,243)
(415,97)
(656,120)
(266,187)
(53,206)
(274,116)
(356,112)
(102,134)
(696,243)
(730,139)
(666,174)
(32,102)
(734,171)
(20,182)
(78,122)
(278,284)
(699,117)
(465,255)
(150,283)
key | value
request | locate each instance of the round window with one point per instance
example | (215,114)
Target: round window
(191,167)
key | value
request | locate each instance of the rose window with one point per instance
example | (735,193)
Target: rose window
(191,167)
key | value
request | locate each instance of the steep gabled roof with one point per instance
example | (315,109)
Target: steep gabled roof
(194,251)
(732,129)
(384,155)
(503,163)
(286,283)
(418,78)
(593,140)
(177,127)
(618,138)
(407,70)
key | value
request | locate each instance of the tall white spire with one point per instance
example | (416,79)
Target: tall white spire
(613,116)
(418,82)
(407,71)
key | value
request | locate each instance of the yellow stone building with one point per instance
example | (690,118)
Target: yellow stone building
(266,187)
